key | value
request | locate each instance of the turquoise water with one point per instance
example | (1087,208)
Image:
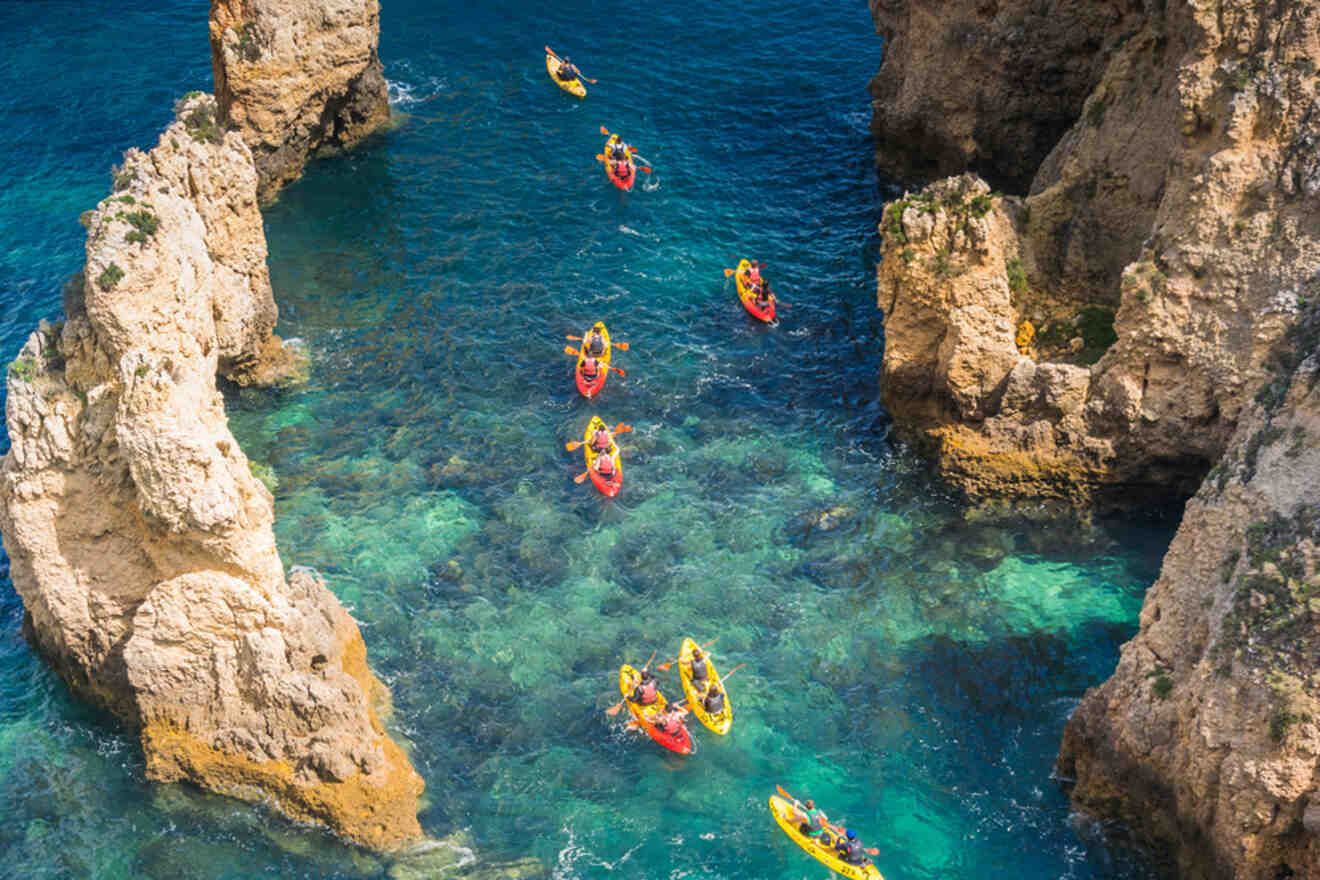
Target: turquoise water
(907,666)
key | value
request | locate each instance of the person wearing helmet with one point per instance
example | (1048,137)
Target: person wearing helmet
(567,69)
(595,343)
(644,692)
(850,848)
(590,369)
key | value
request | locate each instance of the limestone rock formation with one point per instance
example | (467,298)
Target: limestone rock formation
(1207,736)
(296,77)
(1181,206)
(139,539)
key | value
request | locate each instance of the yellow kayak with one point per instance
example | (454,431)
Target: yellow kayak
(607,488)
(724,720)
(786,816)
(573,86)
(592,388)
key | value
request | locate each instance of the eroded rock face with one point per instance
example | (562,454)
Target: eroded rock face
(987,86)
(295,77)
(1207,736)
(1183,202)
(139,539)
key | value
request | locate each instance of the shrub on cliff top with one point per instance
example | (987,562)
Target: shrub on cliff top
(144,225)
(201,124)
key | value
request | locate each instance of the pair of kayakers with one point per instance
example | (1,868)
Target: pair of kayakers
(593,347)
(602,443)
(760,287)
(617,156)
(816,825)
(712,695)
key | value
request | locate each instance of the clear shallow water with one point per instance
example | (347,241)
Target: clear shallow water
(909,669)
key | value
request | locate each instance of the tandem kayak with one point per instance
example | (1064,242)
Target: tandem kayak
(611,488)
(629,678)
(591,389)
(748,296)
(822,847)
(573,86)
(721,722)
(623,180)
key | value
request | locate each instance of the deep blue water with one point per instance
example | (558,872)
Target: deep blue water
(908,666)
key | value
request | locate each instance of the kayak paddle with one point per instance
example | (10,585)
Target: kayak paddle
(621,346)
(663,666)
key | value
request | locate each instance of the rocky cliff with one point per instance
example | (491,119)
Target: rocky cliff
(1207,737)
(139,539)
(296,78)
(1139,284)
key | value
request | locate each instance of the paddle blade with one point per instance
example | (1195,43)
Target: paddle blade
(579,479)
(600,157)
(780,788)
(871,851)
(550,51)
(643,168)
(574,338)
(605,131)
(573,445)
(621,428)
(728,272)
(614,710)
(622,374)
(621,346)
(665,666)
(568,349)
(711,642)
(590,80)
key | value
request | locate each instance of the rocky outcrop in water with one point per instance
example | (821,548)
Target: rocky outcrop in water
(296,77)
(1207,736)
(139,539)
(1158,256)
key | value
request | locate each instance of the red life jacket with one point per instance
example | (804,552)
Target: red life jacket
(648,692)
(601,441)
(672,725)
(605,467)
(589,368)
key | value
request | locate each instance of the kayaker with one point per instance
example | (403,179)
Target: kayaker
(814,821)
(618,157)
(605,467)
(601,441)
(763,295)
(644,692)
(567,70)
(697,665)
(713,701)
(595,343)
(754,275)
(670,722)
(590,369)
(850,848)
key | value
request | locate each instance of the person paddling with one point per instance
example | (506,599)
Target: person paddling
(601,441)
(814,820)
(698,670)
(590,369)
(670,722)
(713,701)
(763,295)
(567,70)
(605,467)
(618,155)
(850,848)
(754,275)
(595,343)
(645,691)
